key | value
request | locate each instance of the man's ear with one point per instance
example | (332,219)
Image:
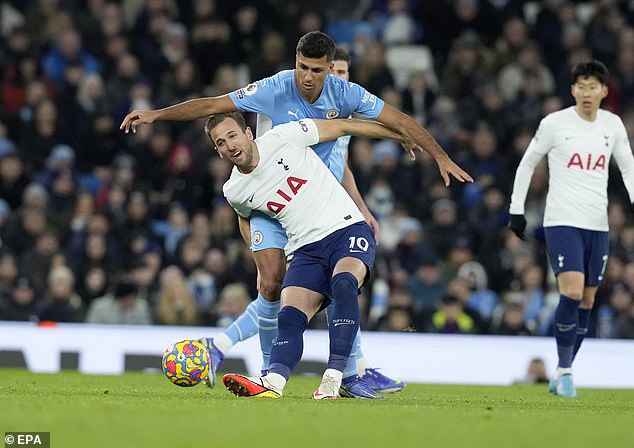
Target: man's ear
(249,133)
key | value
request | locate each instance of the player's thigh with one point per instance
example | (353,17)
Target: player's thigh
(354,266)
(270,263)
(353,250)
(305,300)
(566,249)
(570,284)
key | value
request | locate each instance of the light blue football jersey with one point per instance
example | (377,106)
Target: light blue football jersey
(278,98)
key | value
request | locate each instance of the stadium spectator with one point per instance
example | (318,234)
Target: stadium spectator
(451,318)
(67,48)
(61,301)
(123,306)
(176,305)
(21,305)
(8,275)
(512,319)
(13,176)
(232,302)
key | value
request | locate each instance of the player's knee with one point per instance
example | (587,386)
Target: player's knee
(270,287)
(344,286)
(572,291)
(588,301)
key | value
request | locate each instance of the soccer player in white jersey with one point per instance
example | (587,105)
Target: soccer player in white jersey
(305,92)
(333,247)
(579,142)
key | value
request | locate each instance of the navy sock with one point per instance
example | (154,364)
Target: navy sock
(351,366)
(583,322)
(566,329)
(345,319)
(289,345)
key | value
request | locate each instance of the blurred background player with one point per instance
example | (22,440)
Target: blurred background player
(306,92)
(579,141)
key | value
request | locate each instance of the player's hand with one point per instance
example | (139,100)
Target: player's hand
(448,166)
(517,223)
(411,147)
(372,222)
(137,117)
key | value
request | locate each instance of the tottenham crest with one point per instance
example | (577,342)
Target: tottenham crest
(257,238)
(332,113)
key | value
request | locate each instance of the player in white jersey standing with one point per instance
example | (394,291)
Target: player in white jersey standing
(280,175)
(579,142)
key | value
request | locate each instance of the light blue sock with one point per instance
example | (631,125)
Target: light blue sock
(267,314)
(244,326)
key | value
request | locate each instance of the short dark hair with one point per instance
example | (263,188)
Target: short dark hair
(215,119)
(341,55)
(315,45)
(590,68)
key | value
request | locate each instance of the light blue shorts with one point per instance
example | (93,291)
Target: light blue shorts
(266,233)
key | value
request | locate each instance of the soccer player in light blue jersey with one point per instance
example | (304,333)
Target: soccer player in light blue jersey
(308,91)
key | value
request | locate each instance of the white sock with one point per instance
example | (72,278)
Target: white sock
(276,381)
(223,343)
(336,374)
(566,371)
(362,364)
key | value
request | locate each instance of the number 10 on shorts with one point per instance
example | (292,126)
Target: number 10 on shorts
(358,244)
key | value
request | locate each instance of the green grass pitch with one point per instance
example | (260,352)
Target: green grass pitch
(146,410)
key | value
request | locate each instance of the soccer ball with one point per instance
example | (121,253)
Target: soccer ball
(186,363)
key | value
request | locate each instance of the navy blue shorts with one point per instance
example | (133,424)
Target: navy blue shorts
(573,249)
(313,264)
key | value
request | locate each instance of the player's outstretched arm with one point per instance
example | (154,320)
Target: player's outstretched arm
(332,129)
(185,111)
(407,127)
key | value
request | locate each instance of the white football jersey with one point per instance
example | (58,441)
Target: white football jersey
(579,153)
(292,184)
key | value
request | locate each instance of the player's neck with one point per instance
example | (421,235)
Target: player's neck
(589,115)
(309,97)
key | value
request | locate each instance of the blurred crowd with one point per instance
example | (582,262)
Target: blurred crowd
(105,227)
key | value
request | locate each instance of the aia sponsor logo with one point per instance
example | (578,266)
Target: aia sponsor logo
(294,184)
(588,163)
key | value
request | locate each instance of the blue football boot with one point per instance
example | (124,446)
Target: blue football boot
(354,387)
(216,359)
(381,383)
